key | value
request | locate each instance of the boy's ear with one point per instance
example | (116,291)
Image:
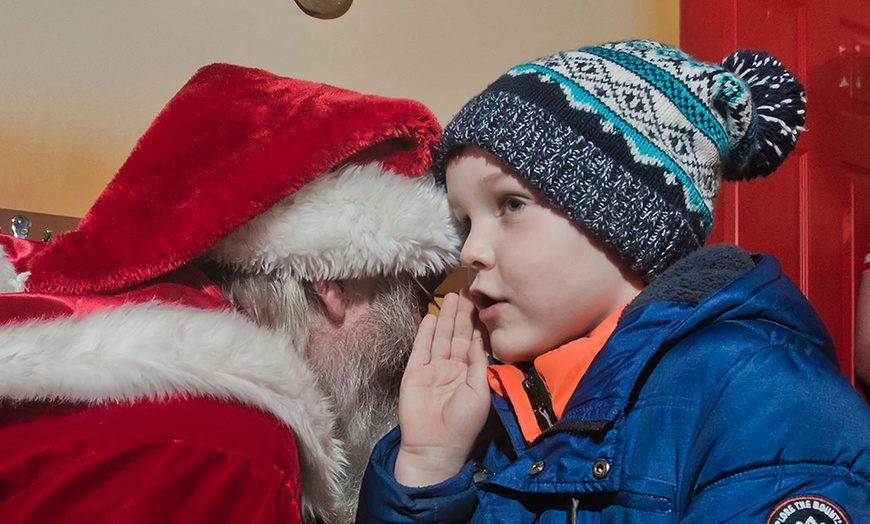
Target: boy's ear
(331,294)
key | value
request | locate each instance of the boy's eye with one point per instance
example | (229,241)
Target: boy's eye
(511,204)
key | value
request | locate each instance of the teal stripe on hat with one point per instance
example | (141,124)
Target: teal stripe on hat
(695,111)
(644,145)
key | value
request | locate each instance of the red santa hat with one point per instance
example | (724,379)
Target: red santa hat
(263,173)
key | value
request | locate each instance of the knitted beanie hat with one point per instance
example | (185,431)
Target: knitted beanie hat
(631,139)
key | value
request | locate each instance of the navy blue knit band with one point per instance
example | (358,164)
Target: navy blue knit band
(578,179)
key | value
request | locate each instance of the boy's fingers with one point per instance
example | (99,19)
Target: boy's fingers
(476,376)
(421,350)
(465,318)
(444,328)
(477,361)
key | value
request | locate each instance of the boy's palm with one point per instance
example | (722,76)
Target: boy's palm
(444,398)
(444,401)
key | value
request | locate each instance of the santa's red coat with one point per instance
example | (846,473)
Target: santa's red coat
(159,405)
(177,460)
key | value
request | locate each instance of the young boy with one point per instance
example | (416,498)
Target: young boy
(640,377)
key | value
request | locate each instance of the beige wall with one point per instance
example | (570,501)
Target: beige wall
(80,81)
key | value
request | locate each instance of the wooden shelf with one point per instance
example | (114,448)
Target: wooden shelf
(39,222)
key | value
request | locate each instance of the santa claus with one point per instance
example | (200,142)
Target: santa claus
(222,338)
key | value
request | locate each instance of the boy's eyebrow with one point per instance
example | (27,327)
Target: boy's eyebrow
(492,178)
(487,180)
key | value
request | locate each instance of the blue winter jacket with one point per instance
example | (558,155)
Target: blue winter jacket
(716,399)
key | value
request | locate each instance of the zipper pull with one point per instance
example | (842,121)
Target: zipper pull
(539,397)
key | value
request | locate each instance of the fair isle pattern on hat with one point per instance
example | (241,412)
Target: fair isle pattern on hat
(596,81)
(632,139)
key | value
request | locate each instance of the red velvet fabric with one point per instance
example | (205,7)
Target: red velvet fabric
(19,251)
(233,142)
(185,460)
(185,286)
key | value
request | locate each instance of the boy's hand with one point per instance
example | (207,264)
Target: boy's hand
(444,399)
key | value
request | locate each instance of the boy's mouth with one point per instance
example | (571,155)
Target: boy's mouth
(483,302)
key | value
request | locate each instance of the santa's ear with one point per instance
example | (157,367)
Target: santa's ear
(331,293)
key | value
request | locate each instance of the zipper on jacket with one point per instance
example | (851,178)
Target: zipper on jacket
(539,397)
(573,509)
(480,475)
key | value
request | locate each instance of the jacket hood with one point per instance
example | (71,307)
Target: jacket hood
(713,284)
(724,282)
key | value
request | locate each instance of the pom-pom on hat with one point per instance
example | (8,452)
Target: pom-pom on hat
(233,143)
(631,140)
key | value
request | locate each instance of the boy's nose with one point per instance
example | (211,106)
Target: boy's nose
(476,253)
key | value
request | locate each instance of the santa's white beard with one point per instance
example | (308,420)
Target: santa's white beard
(362,379)
(361,373)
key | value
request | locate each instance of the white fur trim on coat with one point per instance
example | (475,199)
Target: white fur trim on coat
(10,280)
(118,355)
(354,222)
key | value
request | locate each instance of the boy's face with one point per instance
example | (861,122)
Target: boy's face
(537,280)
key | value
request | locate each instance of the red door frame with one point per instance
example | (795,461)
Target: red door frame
(814,213)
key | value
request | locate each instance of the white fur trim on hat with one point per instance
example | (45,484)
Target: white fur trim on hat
(354,222)
(117,355)
(10,280)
